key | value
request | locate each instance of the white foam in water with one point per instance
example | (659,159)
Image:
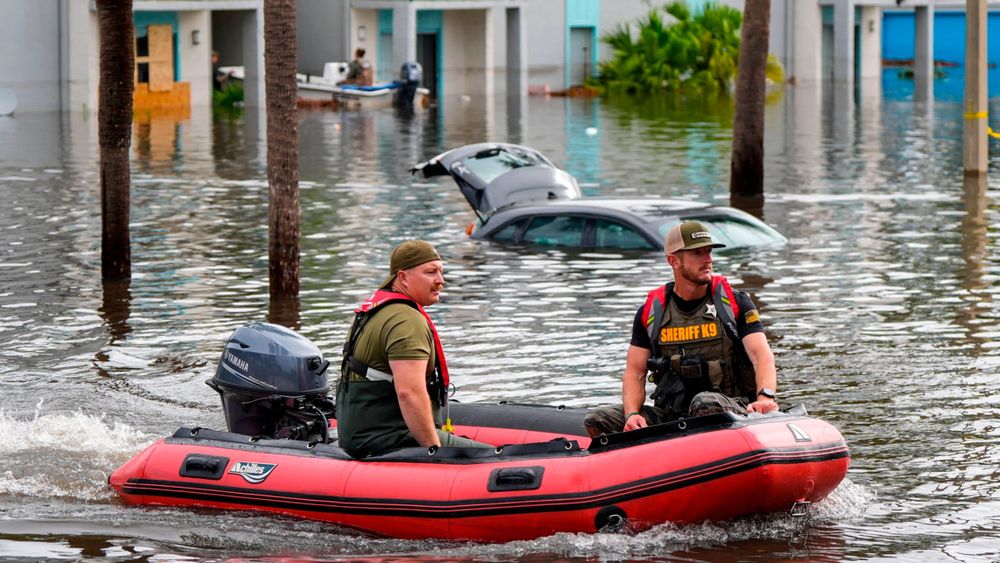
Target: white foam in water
(63,455)
(120,359)
(74,432)
(848,501)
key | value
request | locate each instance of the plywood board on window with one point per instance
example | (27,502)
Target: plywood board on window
(161,57)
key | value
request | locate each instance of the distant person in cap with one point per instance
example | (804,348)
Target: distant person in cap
(394,378)
(702,343)
(359,70)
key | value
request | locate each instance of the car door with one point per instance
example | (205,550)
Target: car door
(556,230)
(608,234)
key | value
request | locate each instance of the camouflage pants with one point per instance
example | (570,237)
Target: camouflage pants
(611,418)
(449,440)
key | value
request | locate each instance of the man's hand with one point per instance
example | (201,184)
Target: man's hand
(635,422)
(762,405)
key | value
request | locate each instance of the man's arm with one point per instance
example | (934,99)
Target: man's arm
(409,377)
(634,386)
(762,359)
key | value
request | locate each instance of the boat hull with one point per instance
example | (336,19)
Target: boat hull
(711,468)
(316,89)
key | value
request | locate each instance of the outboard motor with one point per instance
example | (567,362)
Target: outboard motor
(273,383)
(410,76)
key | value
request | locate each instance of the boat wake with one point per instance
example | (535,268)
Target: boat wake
(63,455)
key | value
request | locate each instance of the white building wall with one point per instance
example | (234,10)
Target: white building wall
(614,12)
(319,34)
(870,36)
(367,19)
(803,58)
(468,56)
(30,53)
(545,25)
(83,56)
(196,60)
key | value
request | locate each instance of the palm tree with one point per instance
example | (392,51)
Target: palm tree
(280,62)
(696,52)
(114,131)
(746,181)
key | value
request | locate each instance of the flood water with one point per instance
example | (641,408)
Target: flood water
(881,311)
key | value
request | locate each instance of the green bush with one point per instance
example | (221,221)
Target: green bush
(698,52)
(229,97)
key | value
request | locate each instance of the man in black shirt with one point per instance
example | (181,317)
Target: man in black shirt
(703,343)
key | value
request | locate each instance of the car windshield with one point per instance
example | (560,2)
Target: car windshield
(734,232)
(490,164)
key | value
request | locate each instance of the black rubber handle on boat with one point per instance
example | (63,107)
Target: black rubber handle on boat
(516,478)
(204,466)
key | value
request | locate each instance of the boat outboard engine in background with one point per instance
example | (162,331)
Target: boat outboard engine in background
(273,383)
(410,76)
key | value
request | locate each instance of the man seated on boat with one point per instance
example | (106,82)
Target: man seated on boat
(359,71)
(394,378)
(703,344)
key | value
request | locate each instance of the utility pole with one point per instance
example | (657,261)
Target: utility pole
(746,176)
(974,141)
(280,62)
(114,133)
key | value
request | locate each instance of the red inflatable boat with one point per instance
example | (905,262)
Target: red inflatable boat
(544,476)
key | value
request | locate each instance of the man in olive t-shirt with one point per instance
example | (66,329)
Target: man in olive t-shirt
(394,376)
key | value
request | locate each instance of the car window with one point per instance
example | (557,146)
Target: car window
(734,232)
(609,234)
(560,230)
(495,163)
(509,232)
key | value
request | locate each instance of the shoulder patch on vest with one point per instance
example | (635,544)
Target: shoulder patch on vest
(752,316)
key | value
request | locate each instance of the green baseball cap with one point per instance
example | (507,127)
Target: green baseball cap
(689,235)
(407,255)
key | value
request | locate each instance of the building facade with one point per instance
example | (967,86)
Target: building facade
(466,47)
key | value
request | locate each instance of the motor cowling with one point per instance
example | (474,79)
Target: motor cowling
(273,382)
(411,74)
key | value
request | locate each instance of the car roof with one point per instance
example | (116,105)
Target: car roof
(649,208)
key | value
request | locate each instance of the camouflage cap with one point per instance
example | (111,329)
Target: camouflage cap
(407,255)
(689,235)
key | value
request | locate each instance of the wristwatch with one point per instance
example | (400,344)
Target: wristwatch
(767,392)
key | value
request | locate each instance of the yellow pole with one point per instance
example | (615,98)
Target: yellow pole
(974,142)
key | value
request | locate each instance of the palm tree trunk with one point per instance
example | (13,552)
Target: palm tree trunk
(114,131)
(746,181)
(280,63)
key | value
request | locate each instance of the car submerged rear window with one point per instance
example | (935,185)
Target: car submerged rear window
(731,231)
(499,163)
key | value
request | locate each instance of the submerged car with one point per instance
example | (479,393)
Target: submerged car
(520,197)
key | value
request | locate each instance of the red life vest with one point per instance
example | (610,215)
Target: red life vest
(384,297)
(727,298)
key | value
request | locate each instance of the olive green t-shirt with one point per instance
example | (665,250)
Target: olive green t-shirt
(396,332)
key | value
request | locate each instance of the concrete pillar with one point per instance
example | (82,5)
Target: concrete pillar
(196,60)
(870,38)
(253,57)
(804,57)
(870,56)
(975,156)
(80,61)
(843,42)
(923,59)
(489,48)
(404,33)
(517,53)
